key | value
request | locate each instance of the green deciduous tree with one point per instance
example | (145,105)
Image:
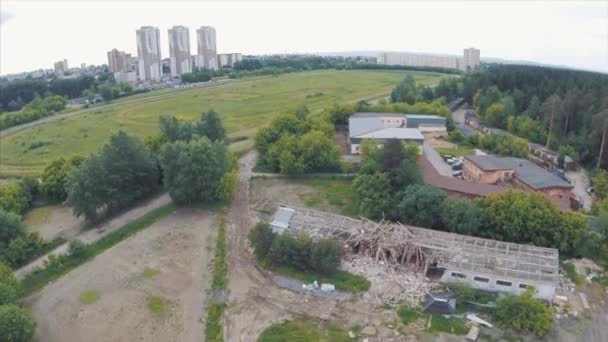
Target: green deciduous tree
(524,217)
(55,175)
(193,170)
(22,249)
(261,237)
(7,276)
(8,294)
(122,173)
(325,256)
(16,325)
(460,216)
(420,205)
(600,183)
(13,197)
(374,194)
(211,126)
(11,227)
(524,313)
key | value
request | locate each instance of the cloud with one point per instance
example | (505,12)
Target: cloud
(5,17)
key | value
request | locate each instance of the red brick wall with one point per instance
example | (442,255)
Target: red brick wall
(473,173)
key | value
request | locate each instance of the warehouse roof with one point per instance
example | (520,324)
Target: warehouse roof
(424,116)
(394,133)
(526,171)
(377,115)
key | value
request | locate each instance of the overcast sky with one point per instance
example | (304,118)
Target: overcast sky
(35,34)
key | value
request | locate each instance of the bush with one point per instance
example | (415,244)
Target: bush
(8,294)
(7,276)
(13,198)
(12,228)
(23,249)
(524,313)
(325,256)
(77,249)
(16,325)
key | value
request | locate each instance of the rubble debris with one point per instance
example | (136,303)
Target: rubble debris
(473,318)
(584,301)
(473,333)
(391,283)
(328,287)
(369,331)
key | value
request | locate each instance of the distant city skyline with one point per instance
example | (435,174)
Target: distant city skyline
(532,31)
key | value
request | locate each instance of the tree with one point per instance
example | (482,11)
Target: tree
(495,115)
(600,183)
(16,325)
(261,238)
(374,195)
(602,118)
(524,313)
(552,108)
(8,294)
(22,249)
(420,205)
(193,170)
(523,217)
(169,127)
(325,256)
(534,108)
(11,227)
(460,216)
(123,172)
(7,276)
(211,126)
(13,197)
(55,175)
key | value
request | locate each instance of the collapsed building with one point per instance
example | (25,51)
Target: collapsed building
(484,264)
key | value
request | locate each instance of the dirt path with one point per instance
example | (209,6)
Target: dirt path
(100,231)
(170,261)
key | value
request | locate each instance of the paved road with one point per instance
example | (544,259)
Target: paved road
(580,181)
(94,234)
(458,117)
(435,159)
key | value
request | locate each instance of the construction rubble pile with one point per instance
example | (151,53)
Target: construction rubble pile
(391,283)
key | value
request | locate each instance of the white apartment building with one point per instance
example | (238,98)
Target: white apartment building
(125,76)
(470,59)
(227,60)
(179,50)
(118,60)
(207,52)
(148,54)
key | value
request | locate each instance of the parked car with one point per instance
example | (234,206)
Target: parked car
(447,156)
(457,166)
(451,160)
(457,173)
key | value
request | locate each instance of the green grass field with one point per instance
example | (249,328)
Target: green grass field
(244,105)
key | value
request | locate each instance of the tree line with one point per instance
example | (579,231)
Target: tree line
(554,107)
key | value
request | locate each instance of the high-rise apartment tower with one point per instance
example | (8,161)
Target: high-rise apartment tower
(148,54)
(179,50)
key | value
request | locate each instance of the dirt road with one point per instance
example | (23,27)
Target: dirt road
(96,233)
(170,261)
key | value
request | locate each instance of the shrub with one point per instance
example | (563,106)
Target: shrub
(325,256)
(23,249)
(524,313)
(7,276)
(8,294)
(12,227)
(77,249)
(16,325)
(13,198)
(408,315)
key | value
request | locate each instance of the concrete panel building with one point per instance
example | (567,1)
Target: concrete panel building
(118,60)
(148,54)
(469,60)
(207,51)
(227,60)
(179,50)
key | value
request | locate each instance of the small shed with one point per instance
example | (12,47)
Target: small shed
(280,222)
(440,303)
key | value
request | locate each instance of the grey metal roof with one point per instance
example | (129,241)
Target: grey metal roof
(394,133)
(377,115)
(364,124)
(282,217)
(526,171)
(424,116)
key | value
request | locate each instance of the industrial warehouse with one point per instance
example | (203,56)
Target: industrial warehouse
(481,263)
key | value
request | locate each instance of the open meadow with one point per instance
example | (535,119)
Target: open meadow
(243,105)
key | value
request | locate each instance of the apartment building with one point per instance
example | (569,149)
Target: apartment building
(118,60)
(61,66)
(179,50)
(207,51)
(148,54)
(469,60)
(227,60)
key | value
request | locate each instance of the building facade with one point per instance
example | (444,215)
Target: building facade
(179,50)
(118,60)
(227,60)
(148,54)
(207,51)
(469,60)
(125,76)
(61,67)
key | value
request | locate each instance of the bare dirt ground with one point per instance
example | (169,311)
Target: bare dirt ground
(580,180)
(52,221)
(256,302)
(180,247)
(267,194)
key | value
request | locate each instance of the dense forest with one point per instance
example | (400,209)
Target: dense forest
(561,108)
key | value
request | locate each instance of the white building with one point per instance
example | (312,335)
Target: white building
(469,60)
(386,126)
(207,52)
(179,50)
(227,60)
(148,54)
(125,76)
(118,60)
(61,66)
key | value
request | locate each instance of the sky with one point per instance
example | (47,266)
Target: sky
(34,34)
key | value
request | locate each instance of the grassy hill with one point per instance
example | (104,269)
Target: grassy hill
(243,105)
